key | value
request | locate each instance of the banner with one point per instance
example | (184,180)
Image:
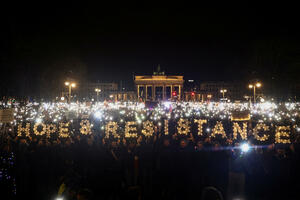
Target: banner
(6,115)
(183,127)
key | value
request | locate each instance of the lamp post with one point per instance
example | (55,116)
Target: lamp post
(97,90)
(223,91)
(209,96)
(254,86)
(70,85)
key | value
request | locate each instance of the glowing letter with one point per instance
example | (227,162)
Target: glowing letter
(111,127)
(237,129)
(218,129)
(25,129)
(258,127)
(200,125)
(129,130)
(282,131)
(183,127)
(148,128)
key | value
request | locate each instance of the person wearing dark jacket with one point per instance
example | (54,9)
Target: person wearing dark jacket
(165,165)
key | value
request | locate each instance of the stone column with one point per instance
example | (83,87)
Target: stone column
(179,91)
(164,92)
(146,93)
(153,92)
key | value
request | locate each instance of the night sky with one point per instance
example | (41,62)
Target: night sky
(42,44)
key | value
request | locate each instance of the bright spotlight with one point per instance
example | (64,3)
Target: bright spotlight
(245,147)
(59,198)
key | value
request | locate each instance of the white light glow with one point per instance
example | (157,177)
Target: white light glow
(245,147)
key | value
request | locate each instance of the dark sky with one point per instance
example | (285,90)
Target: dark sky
(203,42)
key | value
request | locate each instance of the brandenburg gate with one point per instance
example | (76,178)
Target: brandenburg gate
(159,87)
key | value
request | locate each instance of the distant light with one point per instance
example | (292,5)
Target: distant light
(38,120)
(111,96)
(98,115)
(258,85)
(208,130)
(62,98)
(59,198)
(245,147)
(262,100)
(191,81)
(167,104)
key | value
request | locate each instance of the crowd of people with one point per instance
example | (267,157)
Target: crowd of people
(160,166)
(156,168)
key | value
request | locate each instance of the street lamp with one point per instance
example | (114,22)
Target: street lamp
(254,86)
(70,85)
(97,90)
(223,91)
(209,96)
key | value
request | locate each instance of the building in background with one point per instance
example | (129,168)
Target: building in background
(216,91)
(159,86)
(97,90)
(123,96)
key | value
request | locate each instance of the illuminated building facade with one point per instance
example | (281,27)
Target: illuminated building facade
(159,87)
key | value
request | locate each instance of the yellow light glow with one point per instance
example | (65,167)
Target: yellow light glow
(250,86)
(258,85)
(67,83)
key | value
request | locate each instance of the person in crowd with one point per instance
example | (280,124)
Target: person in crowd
(146,165)
(217,165)
(113,171)
(182,166)
(236,185)
(200,166)
(165,165)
